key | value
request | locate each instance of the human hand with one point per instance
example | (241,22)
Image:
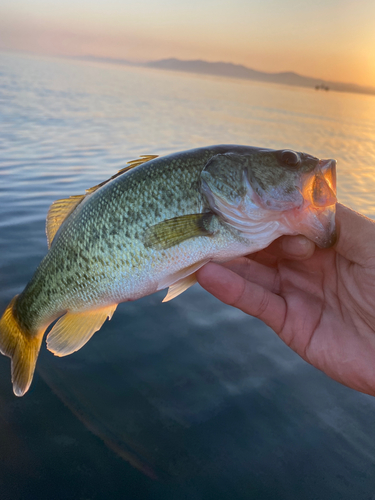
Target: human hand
(321,302)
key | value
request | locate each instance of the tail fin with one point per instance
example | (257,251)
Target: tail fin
(22,347)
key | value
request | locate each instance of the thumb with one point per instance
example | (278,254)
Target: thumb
(356,235)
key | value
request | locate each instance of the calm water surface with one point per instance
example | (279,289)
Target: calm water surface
(188,399)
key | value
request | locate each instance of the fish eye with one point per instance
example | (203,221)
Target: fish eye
(290,158)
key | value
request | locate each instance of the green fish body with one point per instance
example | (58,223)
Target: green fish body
(151,227)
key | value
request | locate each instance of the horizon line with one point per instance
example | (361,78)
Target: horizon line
(356,88)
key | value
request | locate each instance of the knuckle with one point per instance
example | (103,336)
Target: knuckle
(263,304)
(238,298)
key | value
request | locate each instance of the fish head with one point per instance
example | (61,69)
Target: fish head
(269,193)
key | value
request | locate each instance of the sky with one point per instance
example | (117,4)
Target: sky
(328,39)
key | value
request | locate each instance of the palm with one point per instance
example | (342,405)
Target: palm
(322,307)
(329,321)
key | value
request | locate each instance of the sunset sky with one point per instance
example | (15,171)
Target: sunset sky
(328,39)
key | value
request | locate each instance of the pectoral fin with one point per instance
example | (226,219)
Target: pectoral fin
(73,330)
(171,232)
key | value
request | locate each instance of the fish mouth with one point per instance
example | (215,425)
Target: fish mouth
(324,184)
(317,214)
(328,199)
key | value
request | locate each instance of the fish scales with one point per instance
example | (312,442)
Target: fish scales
(103,236)
(152,227)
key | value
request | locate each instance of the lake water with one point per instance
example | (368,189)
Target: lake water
(189,399)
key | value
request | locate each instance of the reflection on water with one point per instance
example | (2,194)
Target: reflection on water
(199,400)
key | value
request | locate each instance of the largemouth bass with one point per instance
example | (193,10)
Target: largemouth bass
(152,226)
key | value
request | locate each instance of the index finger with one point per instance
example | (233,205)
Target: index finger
(250,297)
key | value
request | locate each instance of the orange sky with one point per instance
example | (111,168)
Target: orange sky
(328,39)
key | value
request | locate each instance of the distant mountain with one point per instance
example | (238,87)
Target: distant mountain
(239,71)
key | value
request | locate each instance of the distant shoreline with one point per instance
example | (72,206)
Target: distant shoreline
(223,69)
(236,71)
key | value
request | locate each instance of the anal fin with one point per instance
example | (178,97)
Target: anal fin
(74,329)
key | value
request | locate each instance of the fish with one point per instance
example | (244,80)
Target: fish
(151,226)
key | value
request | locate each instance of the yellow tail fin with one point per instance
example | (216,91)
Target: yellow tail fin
(21,347)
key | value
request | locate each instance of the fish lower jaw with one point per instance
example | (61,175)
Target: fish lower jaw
(317,224)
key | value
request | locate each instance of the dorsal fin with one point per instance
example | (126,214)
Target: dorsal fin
(58,212)
(61,209)
(130,164)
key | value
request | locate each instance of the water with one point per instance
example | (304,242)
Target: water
(189,399)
